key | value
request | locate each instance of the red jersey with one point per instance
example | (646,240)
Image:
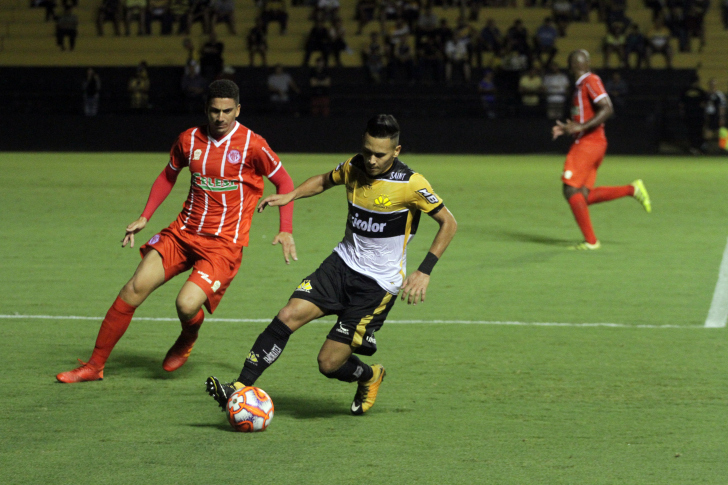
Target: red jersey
(589,90)
(227,180)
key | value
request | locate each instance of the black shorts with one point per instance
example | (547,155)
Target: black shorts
(359,302)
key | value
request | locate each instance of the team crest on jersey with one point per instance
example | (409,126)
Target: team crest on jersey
(154,239)
(382,202)
(305,286)
(216,285)
(197,154)
(234,157)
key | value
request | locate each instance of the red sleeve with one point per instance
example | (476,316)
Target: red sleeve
(177,157)
(160,190)
(595,88)
(284,184)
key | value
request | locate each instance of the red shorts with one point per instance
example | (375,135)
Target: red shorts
(215,262)
(582,162)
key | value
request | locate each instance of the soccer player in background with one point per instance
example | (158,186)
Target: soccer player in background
(591,108)
(228,162)
(360,280)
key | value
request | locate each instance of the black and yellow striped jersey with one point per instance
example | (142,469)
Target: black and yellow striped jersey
(384,212)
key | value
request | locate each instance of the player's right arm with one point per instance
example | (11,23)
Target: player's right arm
(313,186)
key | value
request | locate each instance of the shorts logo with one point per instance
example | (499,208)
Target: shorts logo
(234,157)
(371,339)
(197,155)
(205,276)
(341,329)
(216,286)
(154,239)
(431,198)
(568,174)
(305,286)
(271,356)
(382,202)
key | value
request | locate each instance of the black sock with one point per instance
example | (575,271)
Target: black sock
(266,349)
(352,370)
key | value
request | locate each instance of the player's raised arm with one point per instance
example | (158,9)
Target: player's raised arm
(415,285)
(313,186)
(161,188)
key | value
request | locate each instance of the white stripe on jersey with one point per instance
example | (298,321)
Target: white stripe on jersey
(601,96)
(189,211)
(280,164)
(192,145)
(204,213)
(240,177)
(222,162)
(222,219)
(204,161)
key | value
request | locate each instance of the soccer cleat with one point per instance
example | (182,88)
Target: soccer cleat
(86,372)
(585,246)
(640,193)
(221,392)
(366,392)
(180,351)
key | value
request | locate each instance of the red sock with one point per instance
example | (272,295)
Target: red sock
(112,328)
(604,194)
(192,326)
(581,214)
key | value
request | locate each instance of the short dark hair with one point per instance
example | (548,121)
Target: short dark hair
(383,126)
(223,88)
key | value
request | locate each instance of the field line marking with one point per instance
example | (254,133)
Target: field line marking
(400,322)
(718,313)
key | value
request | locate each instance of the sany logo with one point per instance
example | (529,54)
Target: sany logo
(367,226)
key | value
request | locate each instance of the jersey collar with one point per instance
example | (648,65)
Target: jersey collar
(217,143)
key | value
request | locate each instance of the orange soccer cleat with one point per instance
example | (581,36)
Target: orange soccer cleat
(87,372)
(366,392)
(180,351)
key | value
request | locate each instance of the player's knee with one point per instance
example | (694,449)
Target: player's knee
(327,365)
(187,306)
(290,316)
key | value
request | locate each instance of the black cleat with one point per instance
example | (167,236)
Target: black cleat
(219,391)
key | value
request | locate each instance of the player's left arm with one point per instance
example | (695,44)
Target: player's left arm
(415,285)
(284,185)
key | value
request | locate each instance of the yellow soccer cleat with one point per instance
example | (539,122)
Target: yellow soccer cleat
(640,193)
(367,391)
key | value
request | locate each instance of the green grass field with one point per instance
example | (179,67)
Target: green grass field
(643,401)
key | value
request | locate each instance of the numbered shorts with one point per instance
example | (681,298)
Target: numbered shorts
(214,262)
(582,162)
(359,302)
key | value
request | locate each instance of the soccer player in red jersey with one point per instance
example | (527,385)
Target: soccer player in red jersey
(591,108)
(228,162)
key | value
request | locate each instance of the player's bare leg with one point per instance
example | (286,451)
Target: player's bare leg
(148,276)
(189,309)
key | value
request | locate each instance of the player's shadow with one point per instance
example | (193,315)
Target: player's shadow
(533,238)
(148,366)
(299,406)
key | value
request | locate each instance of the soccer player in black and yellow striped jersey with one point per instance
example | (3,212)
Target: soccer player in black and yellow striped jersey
(360,281)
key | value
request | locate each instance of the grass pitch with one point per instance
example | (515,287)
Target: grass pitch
(643,401)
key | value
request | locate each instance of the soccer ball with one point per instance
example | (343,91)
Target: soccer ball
(249,409)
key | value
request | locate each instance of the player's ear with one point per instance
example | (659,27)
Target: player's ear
(397,149)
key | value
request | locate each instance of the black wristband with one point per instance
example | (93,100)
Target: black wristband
(428,263)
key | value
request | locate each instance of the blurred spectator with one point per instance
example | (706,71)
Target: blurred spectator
(656,6)
(318,40)
(326,10)
(616,11)
(724,13)
(692,112)
(465,32)
(530,87)
(658,42)
(617,89)
(179,13)
(337,33)
(395,35)
(489,40)
(556,87)
(211,60)
(474,9)
(223,12)
(426,24)
(280,83)
(634,43)
(561,13)
(364,13)
(191,53)
(675,21)
(319,81)
(193,88)
(50,8)
(402,59)
(517,36)
(109,11)
(410,12)
(158,10)
(66,26)
(388,10)
(373,58)
(91,92)
(614,43)
(456,57)
(275,11)
(138,88)
(200,11)
(545,42)
(135,10)
(442,34)
(715,108)
(512,60)
(429,61)
(257,42)
(487,91)
(695,20)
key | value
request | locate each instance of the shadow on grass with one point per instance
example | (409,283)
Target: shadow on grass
(534,238)
(301,407)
